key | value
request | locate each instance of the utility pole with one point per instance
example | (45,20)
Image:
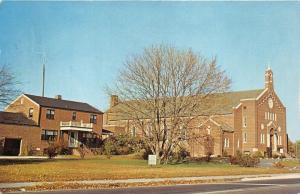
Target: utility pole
(43,61)
(43,90)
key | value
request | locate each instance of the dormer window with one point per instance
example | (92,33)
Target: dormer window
(30,113)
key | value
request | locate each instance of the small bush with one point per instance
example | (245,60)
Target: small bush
(234,160)
(81,151)
(97,151)
(278,165)
(123,145)
(258,154)
(143,154)
(244,160)
(282,156)
(63,148)
(249,161)
(65,151)
(109,148)
(275,156)
(52,151)
(182,154)
(123,150)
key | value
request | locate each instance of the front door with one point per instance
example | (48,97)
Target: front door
(73,138)
(271,147)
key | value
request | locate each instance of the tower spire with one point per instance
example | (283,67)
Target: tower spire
(269,78)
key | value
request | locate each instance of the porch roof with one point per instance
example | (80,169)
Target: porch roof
(67,128)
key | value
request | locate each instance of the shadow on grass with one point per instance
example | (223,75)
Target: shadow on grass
(4,162)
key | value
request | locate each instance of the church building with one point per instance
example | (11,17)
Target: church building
(247,121)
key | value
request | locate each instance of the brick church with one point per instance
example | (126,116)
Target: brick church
(248,121)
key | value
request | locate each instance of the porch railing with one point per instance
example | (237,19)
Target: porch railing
(76,124)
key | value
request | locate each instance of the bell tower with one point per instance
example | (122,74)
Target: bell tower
(269,78)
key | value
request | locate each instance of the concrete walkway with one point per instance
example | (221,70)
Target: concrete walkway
(204,178)
(16,158)
(22,157)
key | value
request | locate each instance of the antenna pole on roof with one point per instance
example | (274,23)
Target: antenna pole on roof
(43,90)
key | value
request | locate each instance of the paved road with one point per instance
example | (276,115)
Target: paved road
(275,186)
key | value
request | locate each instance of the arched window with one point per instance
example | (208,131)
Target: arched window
(245,137)
(244,121)
(208,130)
(133,131)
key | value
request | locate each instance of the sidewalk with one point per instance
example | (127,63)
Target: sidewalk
(34,157)
(22,157)
(204,178)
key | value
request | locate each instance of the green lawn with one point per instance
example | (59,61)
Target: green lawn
(291,163)
(118,167)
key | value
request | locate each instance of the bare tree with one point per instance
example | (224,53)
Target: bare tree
(208,144)
(163,90)
(8,86)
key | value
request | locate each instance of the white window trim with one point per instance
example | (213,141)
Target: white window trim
(266,116)
(262,138)
(226,142)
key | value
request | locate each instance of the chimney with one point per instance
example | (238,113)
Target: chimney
(58,97)
(114,100)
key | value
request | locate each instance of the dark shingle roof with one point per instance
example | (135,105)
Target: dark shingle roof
(105,132)
(15,118)
(224,126)
(222,104)
(63,104)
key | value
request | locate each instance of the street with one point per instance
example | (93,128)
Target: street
(274,186)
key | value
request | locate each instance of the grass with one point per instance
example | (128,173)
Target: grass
(118,167)
(291,163)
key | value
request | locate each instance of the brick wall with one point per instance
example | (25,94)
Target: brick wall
(22,105)
(65,116)
(30,135)
(263,120)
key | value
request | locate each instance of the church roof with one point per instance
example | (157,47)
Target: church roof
(223,103)
(225,126)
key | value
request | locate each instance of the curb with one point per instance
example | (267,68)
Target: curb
(144,180)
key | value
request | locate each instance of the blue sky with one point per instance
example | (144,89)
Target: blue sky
(86,43)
